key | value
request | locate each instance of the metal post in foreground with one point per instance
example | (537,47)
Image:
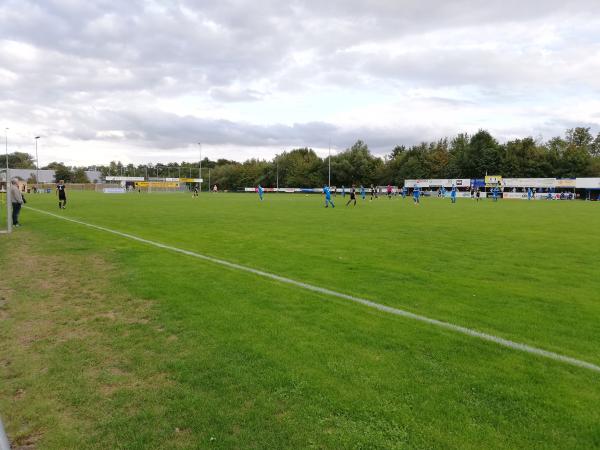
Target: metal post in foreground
(4,445)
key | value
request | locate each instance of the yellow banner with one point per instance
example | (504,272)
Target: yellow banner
(567,183)
(493,180)
(158,184)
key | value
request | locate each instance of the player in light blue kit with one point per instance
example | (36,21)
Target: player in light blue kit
(327,193)
(363,194)
(529,193)
(404,192)
(495,193)
(343,191)
(260,191)
(453,194)
(416,194)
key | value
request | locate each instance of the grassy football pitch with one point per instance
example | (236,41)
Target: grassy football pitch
(108,342)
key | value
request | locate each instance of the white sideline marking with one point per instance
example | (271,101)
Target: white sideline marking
(388,309)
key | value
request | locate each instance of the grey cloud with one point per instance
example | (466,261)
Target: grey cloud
(95,57)
(169,132)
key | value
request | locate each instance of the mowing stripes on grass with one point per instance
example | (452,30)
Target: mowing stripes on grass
(399,312)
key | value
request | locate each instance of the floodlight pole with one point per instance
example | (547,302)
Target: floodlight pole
(329,160)
(208,190)
(200,166)
(37,162)
(8,199)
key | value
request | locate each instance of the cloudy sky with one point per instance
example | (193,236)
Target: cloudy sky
(143,81)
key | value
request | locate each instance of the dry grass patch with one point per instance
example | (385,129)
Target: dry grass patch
(62,320)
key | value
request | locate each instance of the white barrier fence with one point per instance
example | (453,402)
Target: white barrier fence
(539,196)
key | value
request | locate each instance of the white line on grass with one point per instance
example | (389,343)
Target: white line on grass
(388,309)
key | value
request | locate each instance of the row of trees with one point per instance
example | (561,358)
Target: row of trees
(577,154)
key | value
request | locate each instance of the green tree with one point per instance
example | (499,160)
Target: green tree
(580,137)
(18,160)
(61,172)
(356,166)
(438,159)
(78,175)
(485,155)
(458,163)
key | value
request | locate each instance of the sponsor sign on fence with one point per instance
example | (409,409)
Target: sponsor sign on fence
(157,184)
(529,182)
(124,178)
(493,180)
(449,182)
(439,182)
(538,196)
(566,183)
(587,183)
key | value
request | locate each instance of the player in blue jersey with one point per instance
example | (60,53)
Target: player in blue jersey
(453,194)
(327,193)
(529,193)
(416,194)
(495,193)
(363,194)
(343,191)
(260,191)
(404,191)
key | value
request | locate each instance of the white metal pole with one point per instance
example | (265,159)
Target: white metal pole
(200,166)
(277,163)
(37,162)
(329,159)
(8,199)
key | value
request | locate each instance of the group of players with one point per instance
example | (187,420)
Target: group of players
(374,192)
